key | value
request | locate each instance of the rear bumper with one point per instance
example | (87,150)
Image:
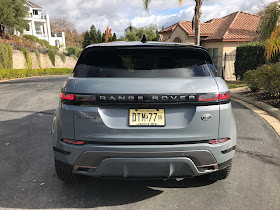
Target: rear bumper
(152,161)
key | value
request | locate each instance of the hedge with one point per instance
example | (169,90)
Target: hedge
(51,55)
(62,57)
(28,60)
(21,73)
(74,51)
(265,77)
(248,57)
(6,56)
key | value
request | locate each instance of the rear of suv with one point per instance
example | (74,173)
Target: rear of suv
(144,110)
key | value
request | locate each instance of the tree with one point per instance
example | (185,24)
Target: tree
(86,40)
(269,29)
(72,38)
(196,18)
(99,36)
(12,14)
(135,34)
(103,37)
(114,38)
(93,34)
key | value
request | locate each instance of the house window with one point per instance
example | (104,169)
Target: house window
(213,52)
(35,12)
(27,27)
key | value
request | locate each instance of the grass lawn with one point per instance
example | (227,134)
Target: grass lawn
(235,84)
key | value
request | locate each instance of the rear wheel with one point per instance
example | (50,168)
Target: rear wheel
(218,175)
(64,173)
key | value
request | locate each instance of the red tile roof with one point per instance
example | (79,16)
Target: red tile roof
(238,26)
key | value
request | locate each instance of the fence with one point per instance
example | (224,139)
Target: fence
(225,65)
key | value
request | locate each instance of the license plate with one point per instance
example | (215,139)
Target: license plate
(147,117)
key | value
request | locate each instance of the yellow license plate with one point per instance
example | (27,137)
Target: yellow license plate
(146,117)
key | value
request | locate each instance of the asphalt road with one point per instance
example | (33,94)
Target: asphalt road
(28,180)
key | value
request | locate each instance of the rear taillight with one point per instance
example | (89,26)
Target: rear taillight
(214,97)
(67,96)
(77,99)
(69,141)
(224,96)
(218,141)
(208,97)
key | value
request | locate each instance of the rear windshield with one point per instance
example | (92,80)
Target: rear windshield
(147,63)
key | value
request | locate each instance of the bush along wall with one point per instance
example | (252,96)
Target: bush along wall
(265,77)
(248,57)
(21,73)
(38,58)
(28,60)
(6,56)
(51,55)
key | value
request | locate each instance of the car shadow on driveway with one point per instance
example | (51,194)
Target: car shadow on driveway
(28,179)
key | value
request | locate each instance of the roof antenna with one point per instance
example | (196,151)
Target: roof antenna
(144,39)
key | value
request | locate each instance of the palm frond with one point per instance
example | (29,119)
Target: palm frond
(146,4)
(269,20)
(272,46)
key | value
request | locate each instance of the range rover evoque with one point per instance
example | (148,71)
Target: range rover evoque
(144,110)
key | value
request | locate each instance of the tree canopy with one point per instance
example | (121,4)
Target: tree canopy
(135,34)
(12,14)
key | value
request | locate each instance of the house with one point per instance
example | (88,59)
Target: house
(220,36)
(39,26)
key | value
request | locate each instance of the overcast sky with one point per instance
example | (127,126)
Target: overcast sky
(119,14)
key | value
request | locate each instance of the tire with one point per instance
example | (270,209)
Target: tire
(218,175)
(64,173)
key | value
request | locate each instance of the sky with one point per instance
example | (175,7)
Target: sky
(119,14)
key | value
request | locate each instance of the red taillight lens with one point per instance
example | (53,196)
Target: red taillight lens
(218,141)
(208,97)
(67,96)
(69,141)
(224,96)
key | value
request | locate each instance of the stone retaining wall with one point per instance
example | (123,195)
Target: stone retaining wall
(19,61)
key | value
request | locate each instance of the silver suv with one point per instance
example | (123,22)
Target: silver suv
(144,110)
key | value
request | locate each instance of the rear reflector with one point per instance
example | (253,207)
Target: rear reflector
(67,96)
(218,141)
(73,142)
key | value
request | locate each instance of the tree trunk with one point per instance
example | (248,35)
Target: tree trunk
(2,31)
(197,16)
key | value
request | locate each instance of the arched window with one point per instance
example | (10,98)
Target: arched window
(178,40)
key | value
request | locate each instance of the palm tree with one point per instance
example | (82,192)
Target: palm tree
(196,19)
(269,29)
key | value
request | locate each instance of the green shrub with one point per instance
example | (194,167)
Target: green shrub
(73,56)
(268,78)
(51,55)
(249,56)
(251,79)
(21,73)
(74,51)
(38,58)
(31,38)
(62,57)
(28,60)
(265,77)
(6,56)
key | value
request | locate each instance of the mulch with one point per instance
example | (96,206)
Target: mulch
(263,97)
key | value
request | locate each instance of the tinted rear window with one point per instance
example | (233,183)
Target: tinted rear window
(142,62)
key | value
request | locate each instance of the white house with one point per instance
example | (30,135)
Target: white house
(39,26)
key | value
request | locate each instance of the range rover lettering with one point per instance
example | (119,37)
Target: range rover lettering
(144,110)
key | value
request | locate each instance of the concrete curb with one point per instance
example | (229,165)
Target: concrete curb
(261,105)
(8,80)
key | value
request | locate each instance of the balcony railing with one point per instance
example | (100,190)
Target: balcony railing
(36,16)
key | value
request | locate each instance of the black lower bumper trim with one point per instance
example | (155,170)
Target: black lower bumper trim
(61,151)
(224,165)
(229,150)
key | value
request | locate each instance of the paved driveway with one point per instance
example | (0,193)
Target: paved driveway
(28,180)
